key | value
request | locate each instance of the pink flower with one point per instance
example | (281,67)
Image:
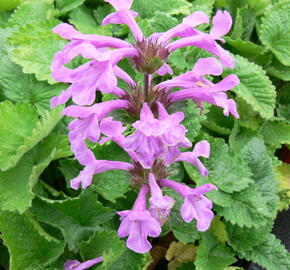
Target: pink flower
(85,177)
(138,224)
(87,126)
(196,205)
(221,25)
(76,265)
(124,15)
(201,149)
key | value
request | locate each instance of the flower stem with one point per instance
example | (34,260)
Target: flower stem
(146,86)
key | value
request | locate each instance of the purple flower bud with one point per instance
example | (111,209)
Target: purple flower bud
(196,205)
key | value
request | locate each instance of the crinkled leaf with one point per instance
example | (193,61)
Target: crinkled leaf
(17,194)
(248,208)
(275,31)
(162,21)
(85,22)
(30,247)
(276,132)
(211,255)
(256,155)
(112,184)
(21,87)
(255,87)
(226,170)
(26,13)
(172,7)
(77,218)
(20,130)
(36,45)
(203,5)
(270,254)
(67,5)
(278,70)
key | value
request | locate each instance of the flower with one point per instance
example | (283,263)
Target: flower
(200,89)
(160,205)
(201,149)
(196,205)
(138,224)
(76,265)
(87,126)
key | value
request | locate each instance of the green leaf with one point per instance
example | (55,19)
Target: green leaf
(241,239)
(25,13)
(161,22)
(278,70)
(275,31)
(247,208)
(112,184)
(20,130)
(115,254)
(226,170)
(192,119)
(36,45)
(217,122)
(276,133)
(17,194)
(255,88)
(256,155)
(30,247)
(69,216)
(171,7)
(270,254)
(67,5)
(20,87)
(8,4)
(85,22)
(211,255)
(203,5)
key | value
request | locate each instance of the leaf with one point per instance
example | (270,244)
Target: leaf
(211,255)
(256,155)
(115,255)
(161,22)
(270,254)
(171,7)
(20,87)
(179,253)
(275,31)
(67,5)
(85,22)
(69,216)
(36,45)
(203,5)
(255,88)
(17,194)
(241,239)
(226,170)
(29,245)
(278,70)
(25,13)
(112,184)
(276,133)
(247,209)
(20,130)
(192,119)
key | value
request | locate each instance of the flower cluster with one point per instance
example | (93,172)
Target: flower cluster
(156,138)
